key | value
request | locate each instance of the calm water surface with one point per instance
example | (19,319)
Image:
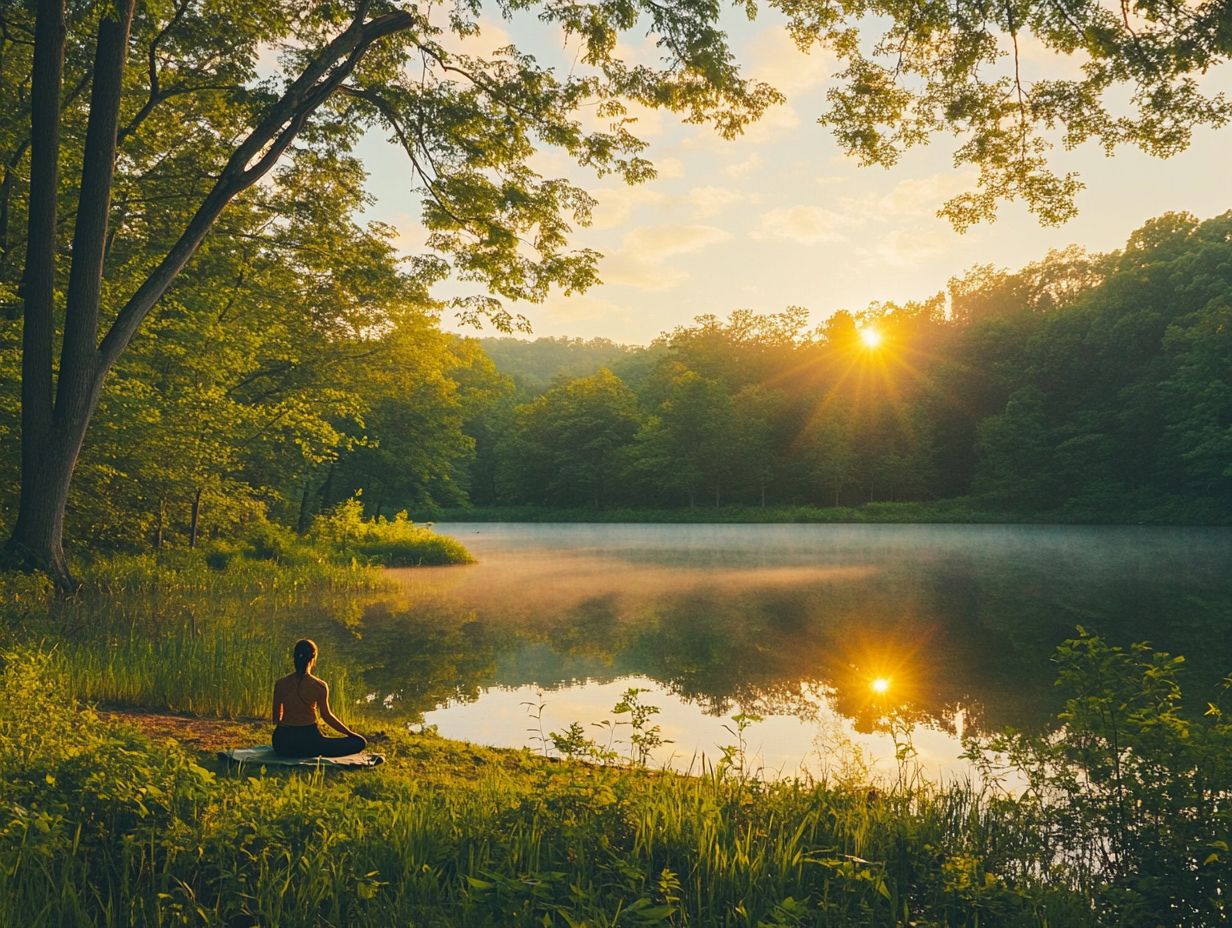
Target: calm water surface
(790,622)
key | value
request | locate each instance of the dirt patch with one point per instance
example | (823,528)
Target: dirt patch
(197,734)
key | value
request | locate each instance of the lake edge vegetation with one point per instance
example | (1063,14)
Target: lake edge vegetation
(1122,822)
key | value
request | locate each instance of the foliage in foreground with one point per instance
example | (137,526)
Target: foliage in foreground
(98,826)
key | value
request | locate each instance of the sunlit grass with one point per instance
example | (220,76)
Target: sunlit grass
(114,830)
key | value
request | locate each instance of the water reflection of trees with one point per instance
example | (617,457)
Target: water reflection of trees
(967,629)
(959,632)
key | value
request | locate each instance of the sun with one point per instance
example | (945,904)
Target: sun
(880,685)
(870,337)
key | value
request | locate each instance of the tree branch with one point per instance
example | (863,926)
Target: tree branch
(265,143)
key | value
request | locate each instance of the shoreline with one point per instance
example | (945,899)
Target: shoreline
(870,514)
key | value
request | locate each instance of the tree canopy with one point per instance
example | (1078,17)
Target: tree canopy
(190,131)
(1082,386)
(1109,73)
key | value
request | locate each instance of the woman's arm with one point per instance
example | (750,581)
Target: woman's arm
(327,716)
(277,706)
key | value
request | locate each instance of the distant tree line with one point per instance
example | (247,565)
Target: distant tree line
(1082,383)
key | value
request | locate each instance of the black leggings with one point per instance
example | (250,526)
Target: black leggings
(307,741)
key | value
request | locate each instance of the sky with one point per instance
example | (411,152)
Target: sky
(780,217)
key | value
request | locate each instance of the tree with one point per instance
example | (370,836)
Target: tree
(569,440)
(696,422)
(469,126)
(915,69)
(751,454)
(826,456)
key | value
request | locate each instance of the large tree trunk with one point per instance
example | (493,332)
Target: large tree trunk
(52,437)
(35,543)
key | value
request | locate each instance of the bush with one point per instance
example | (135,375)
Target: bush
(1131,792)
(396,542)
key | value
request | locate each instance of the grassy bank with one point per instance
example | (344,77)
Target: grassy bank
(101,826)
(1125,820)
(955,511)
(206,630)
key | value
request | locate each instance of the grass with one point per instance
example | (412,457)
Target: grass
(205,631)
(170,631)
(101,826)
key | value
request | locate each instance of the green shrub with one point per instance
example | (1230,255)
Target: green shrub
(267,541)
(396,542)
(1132,792)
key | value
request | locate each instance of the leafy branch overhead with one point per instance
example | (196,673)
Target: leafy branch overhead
(471,126)
(1137,75)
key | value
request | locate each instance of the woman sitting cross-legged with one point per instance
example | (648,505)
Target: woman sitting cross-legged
(297,699)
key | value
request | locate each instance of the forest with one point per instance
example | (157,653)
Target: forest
(1080,387)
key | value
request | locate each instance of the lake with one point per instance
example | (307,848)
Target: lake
(833,634)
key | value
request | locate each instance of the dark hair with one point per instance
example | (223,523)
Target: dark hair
(304,651)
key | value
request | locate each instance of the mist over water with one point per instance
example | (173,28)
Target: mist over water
(792,622)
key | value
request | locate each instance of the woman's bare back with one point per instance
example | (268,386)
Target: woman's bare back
(296,699)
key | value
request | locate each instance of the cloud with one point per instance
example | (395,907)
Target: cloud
(913,198)
(669,167)
(708,201)
(668,240)
(741,168)
(777,122)
(923,196)
(904,248)
(620,205)
(642,259)
(804,225)
(626,270)
(615,205)
(775,58)
(578,308)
